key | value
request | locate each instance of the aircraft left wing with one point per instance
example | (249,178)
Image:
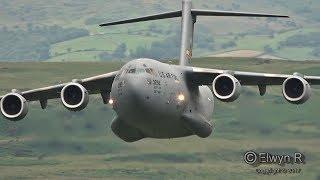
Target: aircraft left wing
(94,85)
(204,76)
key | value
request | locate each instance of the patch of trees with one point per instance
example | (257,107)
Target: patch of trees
(155,29)
(203,38)
(33,43)
(166,49)
(303,40)
(303,10)
(94,21)
(316,52)
(229,44)
(268,49)
(265,30)
(311,40)
(55,34)
(118,53)
(170,47)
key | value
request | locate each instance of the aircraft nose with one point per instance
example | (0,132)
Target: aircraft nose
(134,89)
(131,97)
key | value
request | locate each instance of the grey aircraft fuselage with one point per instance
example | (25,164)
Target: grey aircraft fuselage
(152,99)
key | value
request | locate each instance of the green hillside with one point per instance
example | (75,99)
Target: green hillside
(58,144)
(212,34)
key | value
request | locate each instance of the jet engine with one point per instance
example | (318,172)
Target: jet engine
(74,97)
(296,90)
(14,106)
(226,87)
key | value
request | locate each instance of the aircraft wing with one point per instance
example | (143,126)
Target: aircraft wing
(204,76)
(94,85)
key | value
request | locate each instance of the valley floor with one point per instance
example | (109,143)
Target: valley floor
(186,158)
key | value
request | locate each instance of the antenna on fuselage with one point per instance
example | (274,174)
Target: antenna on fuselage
(189,18)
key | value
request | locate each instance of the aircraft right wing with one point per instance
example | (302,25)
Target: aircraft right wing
(205,76)
(226,84)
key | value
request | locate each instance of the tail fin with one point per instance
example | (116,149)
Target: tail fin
(189,17)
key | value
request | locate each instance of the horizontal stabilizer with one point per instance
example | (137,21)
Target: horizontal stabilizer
(200,12)
(166,15)
(195,12)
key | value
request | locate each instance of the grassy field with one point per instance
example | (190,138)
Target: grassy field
(57,144)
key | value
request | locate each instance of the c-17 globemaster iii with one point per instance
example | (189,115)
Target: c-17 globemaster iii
(157,100)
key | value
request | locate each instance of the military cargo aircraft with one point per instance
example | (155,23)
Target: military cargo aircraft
(158,100)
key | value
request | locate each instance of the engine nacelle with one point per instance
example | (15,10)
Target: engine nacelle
(74,97)
(226,88)
(296,90)
(14,107)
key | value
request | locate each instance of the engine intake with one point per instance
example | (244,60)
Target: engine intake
(14,107)
(296,90)
(226,88)
(74,97)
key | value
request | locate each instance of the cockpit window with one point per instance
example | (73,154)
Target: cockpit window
(136,71)
(132,71)
(150,71)
(139,71)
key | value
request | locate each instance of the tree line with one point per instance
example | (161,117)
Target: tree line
(165,49)
(33,42)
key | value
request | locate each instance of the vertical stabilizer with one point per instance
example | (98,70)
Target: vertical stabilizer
(187,29)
